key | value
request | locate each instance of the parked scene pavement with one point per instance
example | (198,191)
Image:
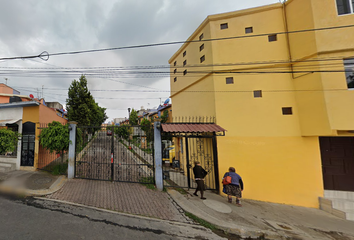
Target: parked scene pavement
(255,219)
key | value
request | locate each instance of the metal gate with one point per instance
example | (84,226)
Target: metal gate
(115,153)
(180,156)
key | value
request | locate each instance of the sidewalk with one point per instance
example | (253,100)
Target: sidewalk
(260,219)
(254,219)
(37,183)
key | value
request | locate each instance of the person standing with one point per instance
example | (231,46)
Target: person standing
(199,174)
(235,188)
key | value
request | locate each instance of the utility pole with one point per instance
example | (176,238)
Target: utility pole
(6,81)
(42,91)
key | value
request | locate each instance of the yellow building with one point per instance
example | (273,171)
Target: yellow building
(273,76)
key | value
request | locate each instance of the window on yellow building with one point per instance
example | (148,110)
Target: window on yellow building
(202,59)
(175,79)
(224,26)
(229,80)
(272,38)
(287,110)
(184,62)
(201,47)
(174,71)
(185,72)
(184,53)
(249,30)
(175,63)
(257,93)
(201,37)
(345,6)
(349,72)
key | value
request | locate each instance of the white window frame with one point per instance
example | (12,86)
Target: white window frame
(350,5)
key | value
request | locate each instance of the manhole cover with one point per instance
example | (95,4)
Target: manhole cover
(43,180)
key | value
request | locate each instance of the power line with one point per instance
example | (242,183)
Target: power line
(211,91)
(45,55)
(203,40)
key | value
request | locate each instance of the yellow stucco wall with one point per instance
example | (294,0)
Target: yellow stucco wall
(197,100)
(277,155)
(275,169)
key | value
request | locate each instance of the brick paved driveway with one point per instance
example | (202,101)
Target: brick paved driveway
(130,198)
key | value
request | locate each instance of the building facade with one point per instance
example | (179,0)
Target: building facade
(26,116)
(278,78)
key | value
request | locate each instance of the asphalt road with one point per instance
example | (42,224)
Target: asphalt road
(40,219)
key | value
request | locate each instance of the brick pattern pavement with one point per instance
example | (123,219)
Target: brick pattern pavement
(130,198)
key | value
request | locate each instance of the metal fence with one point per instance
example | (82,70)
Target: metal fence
(179,154)
(115,153)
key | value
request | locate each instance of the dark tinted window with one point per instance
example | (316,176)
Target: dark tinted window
(249,30)
(224,26)
(229,80)
(343,7)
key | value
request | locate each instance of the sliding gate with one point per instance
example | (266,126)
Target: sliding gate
(115,153)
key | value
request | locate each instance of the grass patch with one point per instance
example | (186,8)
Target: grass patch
(181,191)
(59,169)
(148,182)
(201,221)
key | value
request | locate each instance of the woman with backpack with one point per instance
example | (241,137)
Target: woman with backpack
(233,186)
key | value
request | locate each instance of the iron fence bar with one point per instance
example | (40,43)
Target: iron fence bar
(216,164)
(188,164)
(112,156)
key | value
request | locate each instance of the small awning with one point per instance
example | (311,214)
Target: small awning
(8,121)
(191,128)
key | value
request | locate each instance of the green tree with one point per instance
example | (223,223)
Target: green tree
(133,118)
(81,106)
(122,131)
(164,116)
(8,140)
(147,127)
(55,137)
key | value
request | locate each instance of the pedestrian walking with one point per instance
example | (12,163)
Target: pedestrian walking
(199,175)
(233,187)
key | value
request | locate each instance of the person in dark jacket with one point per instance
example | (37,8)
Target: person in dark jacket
(199,174)
(235,188)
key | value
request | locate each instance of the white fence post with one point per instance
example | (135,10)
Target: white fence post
(158,156)
(72,137)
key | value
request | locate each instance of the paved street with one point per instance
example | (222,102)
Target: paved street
(39,219)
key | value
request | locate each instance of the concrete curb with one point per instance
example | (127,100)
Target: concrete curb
(242,231)
(121,213)
(59,183)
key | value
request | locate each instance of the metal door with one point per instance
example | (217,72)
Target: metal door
(337,155)
(27,154)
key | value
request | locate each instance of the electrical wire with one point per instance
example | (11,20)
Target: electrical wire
(45,55)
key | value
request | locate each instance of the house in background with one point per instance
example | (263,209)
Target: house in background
(285,99)
(25,115)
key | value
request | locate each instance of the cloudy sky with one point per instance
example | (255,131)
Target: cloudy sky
(30,27)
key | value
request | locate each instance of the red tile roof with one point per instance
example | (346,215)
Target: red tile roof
(191,127)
